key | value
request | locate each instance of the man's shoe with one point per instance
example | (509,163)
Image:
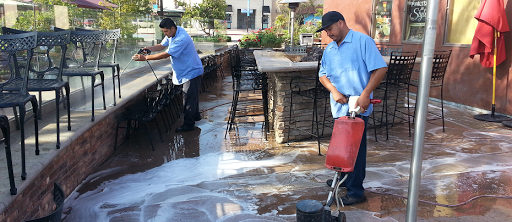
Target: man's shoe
(351,200)
(329,183)
(184,129)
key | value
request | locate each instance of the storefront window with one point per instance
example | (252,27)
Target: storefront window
(382,24)
(415,20)
(461,22)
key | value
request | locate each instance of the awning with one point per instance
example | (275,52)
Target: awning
(94,4)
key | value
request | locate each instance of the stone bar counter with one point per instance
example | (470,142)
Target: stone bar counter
(280,70)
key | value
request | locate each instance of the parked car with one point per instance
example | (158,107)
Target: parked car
(89,22)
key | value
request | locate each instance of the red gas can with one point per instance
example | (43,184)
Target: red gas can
(344,146)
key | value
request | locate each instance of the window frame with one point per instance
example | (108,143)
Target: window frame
(405,25)
(446,28)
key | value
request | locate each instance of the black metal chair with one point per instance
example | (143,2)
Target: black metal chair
(440,63)
(15,53)
(142,111)
(84,60)
(310,88)
(45,67)
(6,130)
(108,57)
(246,78)
(58,198)
(397,78)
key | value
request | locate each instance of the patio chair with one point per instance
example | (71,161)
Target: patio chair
(16,52)
(440,63)
(246,78)
(6,131)
(58,198)
(108,57)
(397,78)
(310,88)
(84,60)
(44,66)
(143,111)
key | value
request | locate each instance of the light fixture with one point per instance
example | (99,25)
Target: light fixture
(292,5)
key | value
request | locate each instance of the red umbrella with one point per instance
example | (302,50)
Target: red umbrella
(489,43)
(491,15)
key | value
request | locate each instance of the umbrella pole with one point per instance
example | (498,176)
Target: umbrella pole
(494,74)
(493,117)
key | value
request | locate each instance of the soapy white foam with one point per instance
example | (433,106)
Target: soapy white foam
(137,192)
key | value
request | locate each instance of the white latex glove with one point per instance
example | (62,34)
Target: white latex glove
(352,103)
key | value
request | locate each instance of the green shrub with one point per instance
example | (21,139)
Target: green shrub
(218,38)
(267,38)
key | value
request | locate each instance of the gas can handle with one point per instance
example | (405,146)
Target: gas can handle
(373,101)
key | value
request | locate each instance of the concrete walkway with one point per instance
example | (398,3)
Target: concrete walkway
(203,176)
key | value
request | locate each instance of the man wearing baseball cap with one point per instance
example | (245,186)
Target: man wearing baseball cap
(351,66)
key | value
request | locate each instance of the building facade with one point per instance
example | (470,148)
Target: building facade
(402,22)
(250,14)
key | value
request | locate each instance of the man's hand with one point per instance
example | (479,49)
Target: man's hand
(139,57)
(363,102)
(339,98)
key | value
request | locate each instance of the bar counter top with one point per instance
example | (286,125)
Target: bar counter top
(272,61)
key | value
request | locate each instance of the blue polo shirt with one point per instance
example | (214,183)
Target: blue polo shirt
(349,67)
(185,61)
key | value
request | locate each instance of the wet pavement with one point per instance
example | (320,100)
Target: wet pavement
(203,176)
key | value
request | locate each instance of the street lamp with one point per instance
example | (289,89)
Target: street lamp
(292,4)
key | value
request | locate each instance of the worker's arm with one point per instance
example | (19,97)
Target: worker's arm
(155,48)
(162,55)
(337,96)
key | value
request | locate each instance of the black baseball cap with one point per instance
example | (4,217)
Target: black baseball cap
(330,18)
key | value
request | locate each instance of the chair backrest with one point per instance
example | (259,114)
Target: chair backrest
(46,42)
(440,63)
(111,40)
(109,44)
(58,199)
(386,49)
(400,67)
(12,62)
(87,47)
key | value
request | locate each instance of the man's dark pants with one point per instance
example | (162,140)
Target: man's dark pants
(191,90)
(354,182)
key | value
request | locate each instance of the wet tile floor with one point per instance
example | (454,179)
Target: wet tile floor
(203,176)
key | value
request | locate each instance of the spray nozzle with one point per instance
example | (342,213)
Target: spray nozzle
(144,51)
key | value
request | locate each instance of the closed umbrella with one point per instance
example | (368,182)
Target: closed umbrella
(488,42)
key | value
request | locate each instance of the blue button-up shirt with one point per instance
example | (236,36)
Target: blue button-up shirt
(185,61)
(349,67)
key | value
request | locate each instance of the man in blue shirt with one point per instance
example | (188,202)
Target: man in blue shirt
(351,66)
(186,65)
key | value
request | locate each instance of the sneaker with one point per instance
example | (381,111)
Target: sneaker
(329,183)
(184,129)
(351,200)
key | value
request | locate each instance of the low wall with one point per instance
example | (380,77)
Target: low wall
(78,157)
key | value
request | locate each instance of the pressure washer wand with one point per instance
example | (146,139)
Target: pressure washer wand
(144,52)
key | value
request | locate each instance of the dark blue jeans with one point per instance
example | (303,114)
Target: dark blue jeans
(354,182)
(191,91)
